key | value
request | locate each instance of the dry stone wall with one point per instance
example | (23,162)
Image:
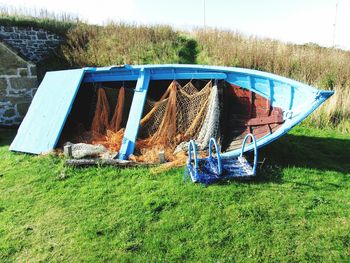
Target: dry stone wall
(16,94)
(24,46)
(33,44)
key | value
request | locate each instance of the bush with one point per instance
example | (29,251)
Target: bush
(187,50)
(89,45)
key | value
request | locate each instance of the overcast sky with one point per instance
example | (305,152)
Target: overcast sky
(297,21)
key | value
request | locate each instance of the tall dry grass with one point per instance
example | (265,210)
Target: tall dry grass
(335,113)
(309,63)
(325,68)
(90,45)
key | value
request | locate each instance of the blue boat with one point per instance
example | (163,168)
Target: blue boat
(264,104)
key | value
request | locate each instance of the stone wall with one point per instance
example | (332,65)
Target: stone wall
(33,44)
(18,77)
(18,84)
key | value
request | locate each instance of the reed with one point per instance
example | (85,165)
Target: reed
(310,63)
(324,68)
(335,113)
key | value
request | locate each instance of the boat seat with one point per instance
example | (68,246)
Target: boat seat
(214,168)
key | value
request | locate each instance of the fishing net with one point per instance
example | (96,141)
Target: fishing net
(117,118)
(182,113)
(105,132)
(209,126)
(101,118)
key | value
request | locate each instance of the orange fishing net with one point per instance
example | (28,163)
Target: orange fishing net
(105,132)
(101,118)
(118,112)
(176,117)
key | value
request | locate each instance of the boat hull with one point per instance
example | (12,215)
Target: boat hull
(37,134)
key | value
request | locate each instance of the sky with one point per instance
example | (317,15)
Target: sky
(296,21)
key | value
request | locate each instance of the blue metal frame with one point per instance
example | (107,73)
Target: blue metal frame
(218,157)
(255,150)
(210,169)
(193,168)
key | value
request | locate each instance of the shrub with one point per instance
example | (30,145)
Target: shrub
(188,50)
(89,45)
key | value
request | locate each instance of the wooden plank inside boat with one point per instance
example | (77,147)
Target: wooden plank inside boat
(247,112)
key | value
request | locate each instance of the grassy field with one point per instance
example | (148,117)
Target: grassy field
(297,209)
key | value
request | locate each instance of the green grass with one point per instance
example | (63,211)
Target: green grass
(297,209)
